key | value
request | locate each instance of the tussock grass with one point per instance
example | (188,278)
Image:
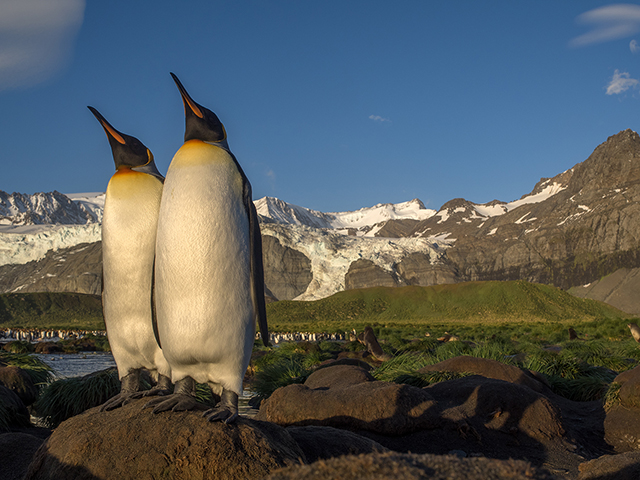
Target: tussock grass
(65,398)
(40,372)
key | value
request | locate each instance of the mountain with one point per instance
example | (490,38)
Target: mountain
(571,230)
(44,209)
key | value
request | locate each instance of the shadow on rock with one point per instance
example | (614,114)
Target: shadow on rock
(132,442)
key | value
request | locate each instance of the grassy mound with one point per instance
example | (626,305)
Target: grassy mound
(471,302)
(51,310)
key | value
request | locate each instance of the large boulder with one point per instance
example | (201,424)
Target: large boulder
(624,466)
(132,443)
(487,368)
(622,423)
(338,376)
(396,466)
(16,379)
(382,407)
(12,410)
(16,451)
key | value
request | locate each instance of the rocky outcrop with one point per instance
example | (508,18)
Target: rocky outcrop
(619,289)
(14,413)
(625,466)
(364,273)
(20,383)
(622,423)
(132,443)
(287,271)
(76,269)
(396,466)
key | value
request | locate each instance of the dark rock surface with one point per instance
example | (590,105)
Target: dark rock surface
(395,466)
(133,443)
(287,271)
(625,466)
(16,452)
(20,383)
(619,289)
(15,411)
(385,408)
(622,423)
(487,368)
(364,273)
(338,376)
(327,442)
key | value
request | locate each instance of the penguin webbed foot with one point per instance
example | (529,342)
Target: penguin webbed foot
(182,398)
(176,402)
(130,384)
(227,409)
(163,388)
(117,401)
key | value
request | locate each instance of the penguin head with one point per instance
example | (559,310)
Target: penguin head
(128,151)
(200,122)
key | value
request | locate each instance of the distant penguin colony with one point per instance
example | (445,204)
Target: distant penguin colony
(197,255)
(128,250)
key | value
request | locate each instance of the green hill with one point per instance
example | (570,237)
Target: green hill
(471,302)
(51,310)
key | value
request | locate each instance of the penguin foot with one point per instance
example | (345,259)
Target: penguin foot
(227,409)
(175,402)
(130,384)
(118,401)
(164,387)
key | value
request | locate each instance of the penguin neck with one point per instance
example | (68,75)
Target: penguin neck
(196,152)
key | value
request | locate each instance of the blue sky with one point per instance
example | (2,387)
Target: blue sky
(332,105)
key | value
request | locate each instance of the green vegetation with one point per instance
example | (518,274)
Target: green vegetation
(51,310)
(462,303)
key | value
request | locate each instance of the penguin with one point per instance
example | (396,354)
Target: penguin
(129,226)
(209,273)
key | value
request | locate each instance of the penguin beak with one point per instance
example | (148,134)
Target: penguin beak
(111,132)
(186,99)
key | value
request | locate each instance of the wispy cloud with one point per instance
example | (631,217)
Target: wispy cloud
(36,39)
(621,82)
(634,47)
(378,118)
(610,22)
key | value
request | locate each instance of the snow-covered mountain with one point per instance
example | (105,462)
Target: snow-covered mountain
(363,222)
(46,209)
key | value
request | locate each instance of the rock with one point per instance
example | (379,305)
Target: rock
(364,273)
(487,404)
(19,381)
(622,423)
(327,442)
(416,269)
(385,408)
(133,443)
(397,466)
(625,466)
(16,452)
(487,368)
(48,347)
(338,376)
(12,409)
(287,271)
(346,361)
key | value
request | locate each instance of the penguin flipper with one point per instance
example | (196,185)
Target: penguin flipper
(154,317)
(257,268)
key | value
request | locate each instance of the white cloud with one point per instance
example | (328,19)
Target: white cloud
(610,22)
(621,82)
(634,47)
(36,39)
(378,118)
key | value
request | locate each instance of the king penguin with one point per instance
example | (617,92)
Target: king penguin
(129,227)
(209,272)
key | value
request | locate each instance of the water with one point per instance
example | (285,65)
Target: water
(79,364)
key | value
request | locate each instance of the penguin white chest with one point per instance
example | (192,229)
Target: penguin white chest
(203,299)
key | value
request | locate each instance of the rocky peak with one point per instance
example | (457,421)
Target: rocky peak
(42,208)
(613,164)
